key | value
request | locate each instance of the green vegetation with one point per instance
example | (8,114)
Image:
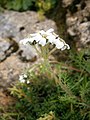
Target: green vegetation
(22,5)
(61,92)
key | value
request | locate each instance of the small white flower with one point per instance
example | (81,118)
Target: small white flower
(21,79)
(25,76)
(38,37)
(51,38)
(26,40)
(28,81)
(47,33)
(31,40)
(42,32)
(58,43)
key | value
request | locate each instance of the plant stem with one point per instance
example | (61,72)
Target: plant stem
(51,51)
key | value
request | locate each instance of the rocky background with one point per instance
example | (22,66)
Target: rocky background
(71,18)
(74,17)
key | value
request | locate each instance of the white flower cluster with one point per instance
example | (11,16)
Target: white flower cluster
(44,37)
(22,78)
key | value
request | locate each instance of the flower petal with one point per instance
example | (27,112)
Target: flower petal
(42,42)
(50,30)
(24,41)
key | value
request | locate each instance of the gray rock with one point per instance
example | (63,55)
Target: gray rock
(67,2)
(78,20)
(2,56)
(84,30)
(4,45)
(10,69)
(27,52)
(6,48)
(18,25)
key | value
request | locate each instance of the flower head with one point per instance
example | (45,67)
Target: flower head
(22,78)
(46,37)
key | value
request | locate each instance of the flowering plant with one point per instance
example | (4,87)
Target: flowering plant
(41,41)
(44,39)
(52,91)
